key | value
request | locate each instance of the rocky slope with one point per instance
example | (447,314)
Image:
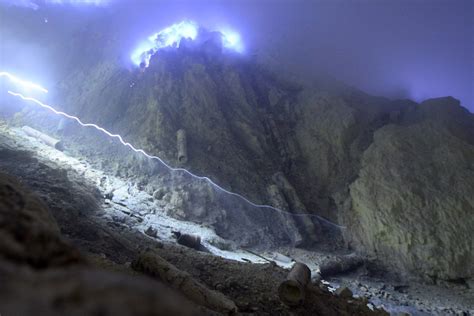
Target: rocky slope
(73,258)
(43,274)
(413,200)
(397,174)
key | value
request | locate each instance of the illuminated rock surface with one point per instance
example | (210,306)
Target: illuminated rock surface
(244,124)
(398,175)
(413,201)
(43,274)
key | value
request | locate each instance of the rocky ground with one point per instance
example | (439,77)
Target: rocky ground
(73,282)
(110,233)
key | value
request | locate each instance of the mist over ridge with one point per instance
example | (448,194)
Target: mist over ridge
(405,49)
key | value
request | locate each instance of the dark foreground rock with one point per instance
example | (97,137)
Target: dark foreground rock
(41,274)
(29,234)
(85,291)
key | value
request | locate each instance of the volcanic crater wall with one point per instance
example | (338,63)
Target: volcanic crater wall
(396,173)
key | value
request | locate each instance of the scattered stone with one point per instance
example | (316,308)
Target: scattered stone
(401,288)
(344,292)
(152,232)
(343,264)
(191,241)
(159,194)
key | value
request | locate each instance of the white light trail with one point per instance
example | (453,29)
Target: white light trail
(23,83)
(141,151)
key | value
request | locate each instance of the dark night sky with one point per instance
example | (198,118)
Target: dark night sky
(416,49)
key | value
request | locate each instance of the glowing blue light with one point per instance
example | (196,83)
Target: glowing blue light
(168,37)
(232,41)
(143,53)
(172,36)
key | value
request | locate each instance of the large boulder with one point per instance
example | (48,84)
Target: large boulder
(413,201)
(28,232)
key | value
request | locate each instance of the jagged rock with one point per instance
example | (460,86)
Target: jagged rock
(159,194)
(244,123)
(342,264)
(84,291)
(343,291)
(152,232)
(28,233)
(413,201)
(191,241)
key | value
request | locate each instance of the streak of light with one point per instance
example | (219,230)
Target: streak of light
(141,151)
(23,83)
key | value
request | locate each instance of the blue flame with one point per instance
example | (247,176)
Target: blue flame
(172,36)
(168,37)
(231,40)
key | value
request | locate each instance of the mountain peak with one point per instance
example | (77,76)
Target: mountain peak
(186,34)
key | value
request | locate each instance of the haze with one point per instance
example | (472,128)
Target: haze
(401,49)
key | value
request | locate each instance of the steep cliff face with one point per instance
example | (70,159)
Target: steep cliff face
(243,123)
(396,173)
(222,105)
(413,201)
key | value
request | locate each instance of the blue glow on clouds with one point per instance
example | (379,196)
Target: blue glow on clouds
(168,37)
(171,37)
(232,40)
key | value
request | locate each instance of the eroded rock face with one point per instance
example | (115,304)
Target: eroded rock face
(335,147)
(413,202)
(243,125)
